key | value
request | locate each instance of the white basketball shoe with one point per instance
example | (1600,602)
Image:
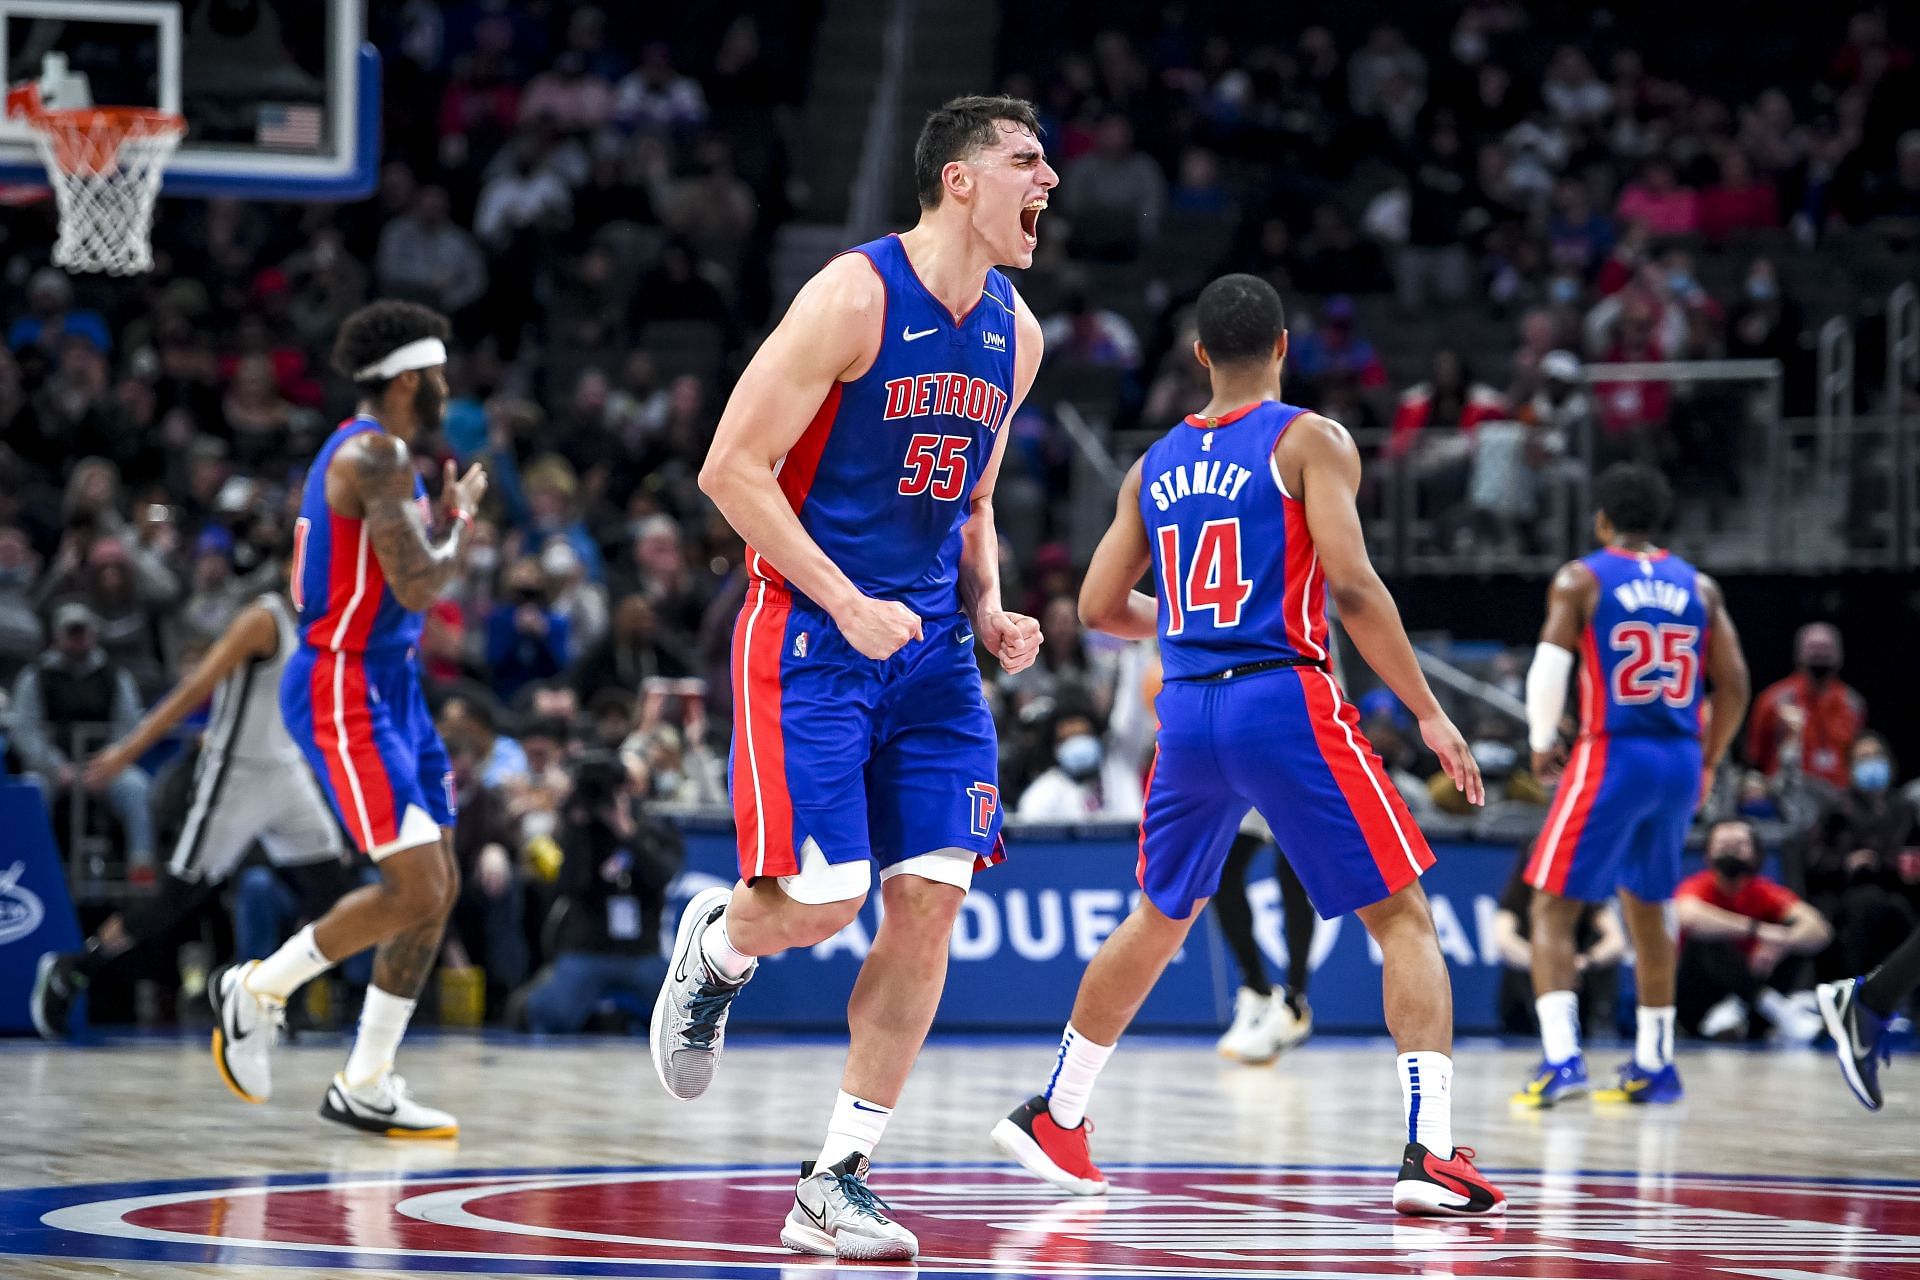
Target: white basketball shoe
(245,1026)
(382,1105)
(690,1013)
(835,1214)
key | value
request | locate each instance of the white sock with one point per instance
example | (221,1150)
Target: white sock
(721,955)
(296,963)
(1653,1038)
(383,1020)
(1074,1071)
(1426,1088)
(856,1126)
(1559,1014)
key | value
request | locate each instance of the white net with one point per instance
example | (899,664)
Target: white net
(105,167)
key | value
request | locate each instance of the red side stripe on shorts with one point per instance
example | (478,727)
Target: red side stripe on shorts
(762,807)
(343,732)
(1303,601)
(1559,839)
(1146,799)
(797,471)
(1398,848)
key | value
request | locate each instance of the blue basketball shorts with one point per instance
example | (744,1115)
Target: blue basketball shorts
(1287,743)
(883,760)
(364,727)
(1619,819)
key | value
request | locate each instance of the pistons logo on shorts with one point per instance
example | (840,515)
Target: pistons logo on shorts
(986,799)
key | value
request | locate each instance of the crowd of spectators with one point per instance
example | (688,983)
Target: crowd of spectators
(1574,189)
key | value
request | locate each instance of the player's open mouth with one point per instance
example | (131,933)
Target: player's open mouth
(1030,220)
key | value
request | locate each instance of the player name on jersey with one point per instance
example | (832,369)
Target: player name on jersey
(1223,479)
(951,394)
(1652,593)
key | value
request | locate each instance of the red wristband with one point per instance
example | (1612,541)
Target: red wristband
(457,514)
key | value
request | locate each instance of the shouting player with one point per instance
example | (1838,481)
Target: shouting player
(1246,515)
(249,784)
(366,564)
(857,459)
(1651,631)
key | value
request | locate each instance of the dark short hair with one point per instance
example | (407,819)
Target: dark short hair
(1634,497)
(1240,318)
(958,129)
(379,328)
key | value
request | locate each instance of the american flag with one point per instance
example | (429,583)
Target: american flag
(292,126)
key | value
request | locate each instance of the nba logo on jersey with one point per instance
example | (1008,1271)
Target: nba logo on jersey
(800,645)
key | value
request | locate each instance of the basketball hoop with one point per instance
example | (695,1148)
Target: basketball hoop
(105,166)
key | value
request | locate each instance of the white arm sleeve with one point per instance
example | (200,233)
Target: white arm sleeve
(1547,694)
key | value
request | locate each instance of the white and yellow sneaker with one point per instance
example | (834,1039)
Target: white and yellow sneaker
(382,1105)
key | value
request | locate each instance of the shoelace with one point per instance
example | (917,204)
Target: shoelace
(1464,1153)
(704,1011)
(860,1196)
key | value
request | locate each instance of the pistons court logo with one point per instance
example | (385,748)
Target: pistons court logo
(21,910)
(1279,1222)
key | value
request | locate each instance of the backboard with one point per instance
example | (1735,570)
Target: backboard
(281,97)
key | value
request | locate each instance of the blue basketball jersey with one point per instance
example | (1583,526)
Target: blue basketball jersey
(881,478)
(1238,578)
(1641,672)
(342,596)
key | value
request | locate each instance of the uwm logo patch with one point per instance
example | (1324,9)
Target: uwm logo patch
(1275,1222)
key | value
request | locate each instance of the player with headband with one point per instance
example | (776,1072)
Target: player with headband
(370,554)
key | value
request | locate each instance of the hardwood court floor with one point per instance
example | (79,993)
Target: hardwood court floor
(1596,1190)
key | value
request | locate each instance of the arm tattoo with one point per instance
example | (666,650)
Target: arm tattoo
(402,962)
(414,565)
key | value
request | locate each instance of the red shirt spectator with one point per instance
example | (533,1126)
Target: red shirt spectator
(1435,403)
(1656,199)
(1812,709)
(1739,201)
(1755,897)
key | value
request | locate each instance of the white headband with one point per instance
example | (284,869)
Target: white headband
(422,353)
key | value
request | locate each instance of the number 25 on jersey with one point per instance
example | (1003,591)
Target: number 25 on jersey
(1661,662)
(1212,581)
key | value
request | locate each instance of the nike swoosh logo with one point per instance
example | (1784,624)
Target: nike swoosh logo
(1853,1034)
(861,1106)
(380,1111)
(232,1024)
(908,335)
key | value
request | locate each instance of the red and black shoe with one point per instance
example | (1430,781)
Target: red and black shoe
(1431,1187)
(1046,1150)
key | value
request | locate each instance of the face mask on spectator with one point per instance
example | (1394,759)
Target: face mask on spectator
(1731,866)
(1079,756)
(666,782)
(15,577)
(1821,670)
(1760,288)
(483,560)
(1873,774)
(1680,282)
(1564,290)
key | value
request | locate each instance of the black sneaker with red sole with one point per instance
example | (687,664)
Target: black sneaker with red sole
(1431,1187)
(1044,1149)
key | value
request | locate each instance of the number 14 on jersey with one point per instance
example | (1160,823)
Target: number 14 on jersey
(1213,581)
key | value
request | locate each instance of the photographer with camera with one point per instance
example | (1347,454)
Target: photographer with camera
(605,929)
